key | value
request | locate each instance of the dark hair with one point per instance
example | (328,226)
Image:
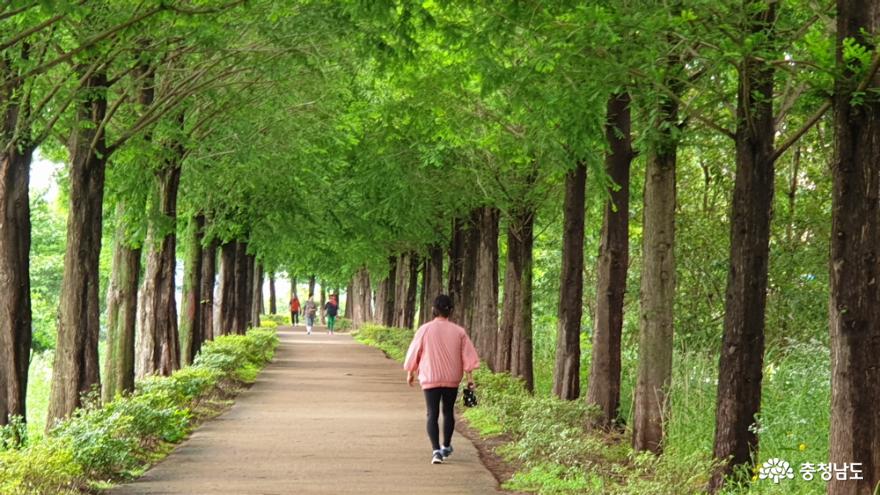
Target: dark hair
(442,306)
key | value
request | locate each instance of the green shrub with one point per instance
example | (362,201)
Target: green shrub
(393,341)
(343,324)
(277,319)
(42,468)
(268,323)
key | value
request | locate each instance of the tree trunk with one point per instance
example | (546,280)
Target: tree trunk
(360,298)
(604,383)
(15,241)
(433,281)
(385,295)
(190,324)
(323,296)
(456,268)
(293,285)
(311,286)
(349,300)
(485,323)
(412,286)
(75,370)
(248,302)
(206,304)
(742,347)
(423,293)
(241,290)
(514,343)
(256,296)
(400,289)
(226,323)
(471,246)
(566,377)
(122,296)
(657,292)
(855,297)
(158,349)
(273,308)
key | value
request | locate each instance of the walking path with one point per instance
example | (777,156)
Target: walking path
(327,416)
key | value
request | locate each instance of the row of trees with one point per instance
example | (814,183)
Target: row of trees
(490,68)
(373,142)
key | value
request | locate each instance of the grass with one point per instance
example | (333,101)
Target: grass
(559,454)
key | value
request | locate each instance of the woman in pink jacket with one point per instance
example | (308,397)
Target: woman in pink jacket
(441,353)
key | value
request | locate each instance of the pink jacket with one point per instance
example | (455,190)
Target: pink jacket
(442,352)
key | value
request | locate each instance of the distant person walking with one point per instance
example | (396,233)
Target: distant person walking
(441,353)
(294,310)
(331,309)
(311,310)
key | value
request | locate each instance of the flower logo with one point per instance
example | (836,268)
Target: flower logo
(776,469)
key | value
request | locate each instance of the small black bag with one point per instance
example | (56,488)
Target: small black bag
(469,397)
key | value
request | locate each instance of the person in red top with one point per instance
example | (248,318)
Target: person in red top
(294,310)
(441,353)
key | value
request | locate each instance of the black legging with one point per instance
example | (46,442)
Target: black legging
(294,317)
(432,400)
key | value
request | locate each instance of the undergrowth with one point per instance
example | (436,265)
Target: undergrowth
(559,454)
(117,441)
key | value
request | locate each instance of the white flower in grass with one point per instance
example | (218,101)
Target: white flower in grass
(776,469)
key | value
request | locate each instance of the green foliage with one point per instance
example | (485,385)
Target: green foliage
(116,440)
(343,324)
(46,269)
(48,467)
(393,341)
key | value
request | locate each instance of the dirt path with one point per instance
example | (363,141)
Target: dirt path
(328,416)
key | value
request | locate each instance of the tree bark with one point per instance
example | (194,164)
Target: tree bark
(323,301)
(311,286)
(456,268)
(385,295)
(158,350)
(206,304)
(412,286)
(742,347)
(122,296)
(604,383)
(256,296)
(247,305)
(432,286)
(75,370)
(15,241)
(485,323)
(657,291)
(854,270)
(273,307)
(349,300)
(190,324)
(566,377)
(471,246)
(241,290)
(361,298)
(514,342)
(228,259)
(400,289)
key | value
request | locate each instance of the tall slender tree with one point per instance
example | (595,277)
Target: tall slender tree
(604,383)
(855,237)
(742,349)
(566,377)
